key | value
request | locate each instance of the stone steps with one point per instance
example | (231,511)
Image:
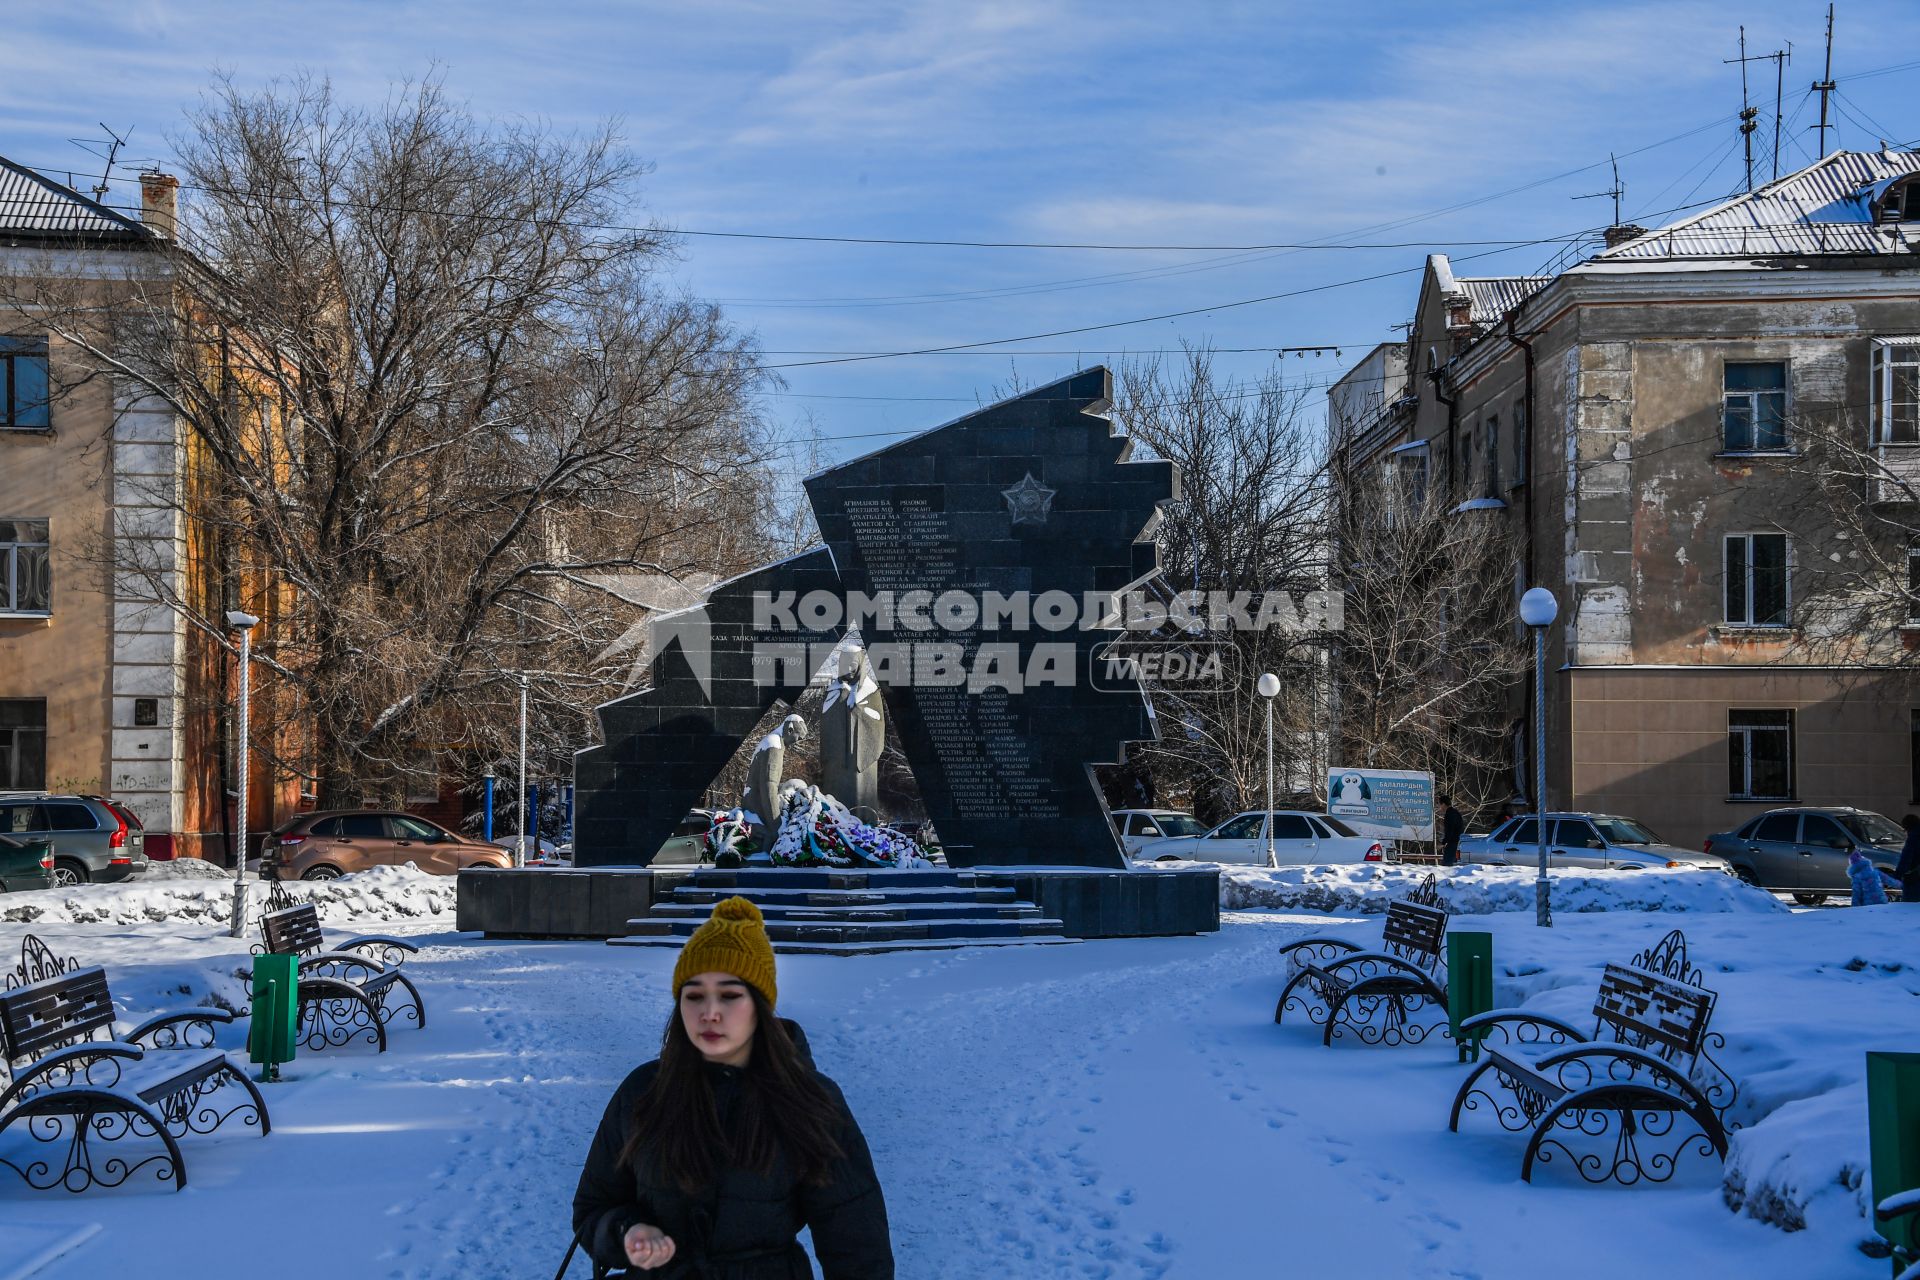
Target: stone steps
(882,911)
(851,912)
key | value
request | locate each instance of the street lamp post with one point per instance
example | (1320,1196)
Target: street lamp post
(520,849)
(1538,609)
(244,623)
(1269,687)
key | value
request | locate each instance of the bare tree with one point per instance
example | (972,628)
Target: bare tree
(434,400)
(1430,661)
(1852,513)
(1251,519)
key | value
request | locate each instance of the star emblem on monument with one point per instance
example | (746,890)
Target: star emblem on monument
(1029,501)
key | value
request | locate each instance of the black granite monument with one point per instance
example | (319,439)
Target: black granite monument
(1031,506)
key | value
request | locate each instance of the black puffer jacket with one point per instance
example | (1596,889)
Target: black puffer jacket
(748,1228)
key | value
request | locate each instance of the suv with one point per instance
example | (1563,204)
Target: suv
(327,845)
(25,863)
(93,838)
(1803,850)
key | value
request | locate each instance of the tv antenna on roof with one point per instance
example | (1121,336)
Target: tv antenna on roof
(1617,190)
(1749,114)
(113,142)
(1826,86)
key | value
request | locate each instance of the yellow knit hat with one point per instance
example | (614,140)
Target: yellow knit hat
(733,940)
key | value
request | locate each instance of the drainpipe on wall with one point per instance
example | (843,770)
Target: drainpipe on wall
(1513,336)
(1438,376)
(1526,347)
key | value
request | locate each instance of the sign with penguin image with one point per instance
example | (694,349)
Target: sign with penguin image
(1394,804)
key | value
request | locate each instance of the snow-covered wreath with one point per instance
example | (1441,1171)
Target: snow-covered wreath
(816,830)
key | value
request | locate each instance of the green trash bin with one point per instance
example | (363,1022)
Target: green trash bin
(1469,987)
(276,1013)
(1893,1126)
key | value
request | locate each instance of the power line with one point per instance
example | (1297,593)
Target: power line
(1334,240)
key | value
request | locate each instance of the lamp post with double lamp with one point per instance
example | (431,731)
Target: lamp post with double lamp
(1538,609)
(244,623)
(1269,687)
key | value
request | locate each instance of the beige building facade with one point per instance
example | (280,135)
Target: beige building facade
(1634,416)
(94,670)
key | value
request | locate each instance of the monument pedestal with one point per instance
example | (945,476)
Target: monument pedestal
(844,911)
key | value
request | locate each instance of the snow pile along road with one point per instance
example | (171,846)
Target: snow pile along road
(191,890)
(1367,888)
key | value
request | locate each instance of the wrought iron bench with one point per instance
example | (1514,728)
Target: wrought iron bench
(346,992)
(67,1086)
(1342,987)
(1646,1065)
(1903,1204)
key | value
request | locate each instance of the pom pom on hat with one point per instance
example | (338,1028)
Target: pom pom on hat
(733,940)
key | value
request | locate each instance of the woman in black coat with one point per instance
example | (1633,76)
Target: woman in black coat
(711,1159)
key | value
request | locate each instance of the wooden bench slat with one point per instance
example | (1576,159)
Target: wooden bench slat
(54,1013)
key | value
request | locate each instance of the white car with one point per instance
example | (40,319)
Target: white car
(1589,841)
(1137,827)
(1299,839)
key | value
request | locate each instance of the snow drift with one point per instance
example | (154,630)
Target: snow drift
(198,892)
(1367,888)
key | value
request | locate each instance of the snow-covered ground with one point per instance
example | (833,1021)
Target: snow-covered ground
(1112,1109)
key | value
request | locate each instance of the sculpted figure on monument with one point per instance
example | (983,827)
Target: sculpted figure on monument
(853,732)
(762,798)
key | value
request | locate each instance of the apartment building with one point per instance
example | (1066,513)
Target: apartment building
(1636,417)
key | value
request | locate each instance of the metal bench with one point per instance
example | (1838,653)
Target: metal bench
(343,994)
(1644,1067)
(67,1087)
(1904,1204)
(1342,987)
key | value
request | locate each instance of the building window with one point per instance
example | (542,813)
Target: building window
(26,571)
(1896,390)
(1756,580)
(1913,585)
(1520,460)
(23,744)
(1760,755)
(23,384)
(1755,406)
(1493,457)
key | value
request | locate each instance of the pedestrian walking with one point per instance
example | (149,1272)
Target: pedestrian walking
(1452,827)
(1869,882)
(1907,870)
(711,1158)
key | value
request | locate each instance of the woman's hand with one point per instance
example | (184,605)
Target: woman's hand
(648,1247)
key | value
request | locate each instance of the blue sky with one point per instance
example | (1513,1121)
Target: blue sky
(1044,120)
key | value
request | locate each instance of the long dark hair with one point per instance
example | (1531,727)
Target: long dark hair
(783,1110)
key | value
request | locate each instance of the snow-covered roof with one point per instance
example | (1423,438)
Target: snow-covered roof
(1493,296)
(1825,208)
(32,204)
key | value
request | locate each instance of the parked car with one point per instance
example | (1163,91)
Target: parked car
(1299,839)
(687,846)
(1589,841)
(537,847)
(323,846)
(26,862)
(1803,850)
(94,838)
(1136,827)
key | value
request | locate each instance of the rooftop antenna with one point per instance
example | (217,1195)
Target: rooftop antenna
(1826,86)
(1617,190)
(1750,114)
(113,142)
